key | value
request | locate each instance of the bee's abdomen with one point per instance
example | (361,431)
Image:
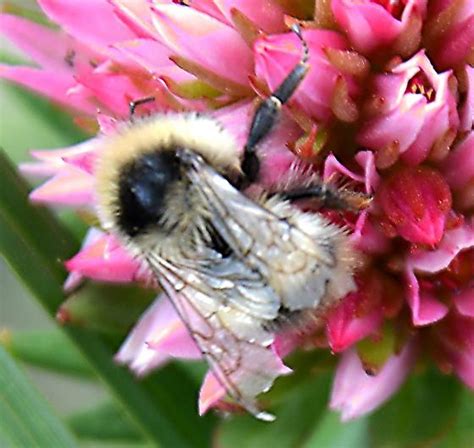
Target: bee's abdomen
(143,185)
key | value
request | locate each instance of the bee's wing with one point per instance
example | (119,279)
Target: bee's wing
(227,325)
(301,255)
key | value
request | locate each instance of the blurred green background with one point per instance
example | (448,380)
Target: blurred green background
(109,408)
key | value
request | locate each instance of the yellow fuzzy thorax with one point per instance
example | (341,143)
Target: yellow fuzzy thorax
(161,132)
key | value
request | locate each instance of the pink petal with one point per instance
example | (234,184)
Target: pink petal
(106,260)
(453,242)
(368,24)
(464,301)
(455,346)
(174,340)
(277,54)
(112,89)
(212,9)
(212,390)
(367,161)
(367,238)
(464,367)
(467,111)
(458,167)
(52,161)
(52,84)
(71,186)
(204,40)
(84,161)
(275,157)
(434,118)
(402,125)
(344,327)
(91,21)
(391,87)
(425,308)
(107,124)
(456,44)
(135,351)
(47,47)
(153,56)
(136,14)
(267,15)
(354,393)
(75,278)
(332,166)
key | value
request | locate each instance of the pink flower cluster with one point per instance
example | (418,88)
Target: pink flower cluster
(388,104)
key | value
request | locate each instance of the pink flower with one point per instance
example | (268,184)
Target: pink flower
(377,25)
(458,169)
(452,274)
(157,337)
(275,55)
(414,111)
(387,106)
(450,32)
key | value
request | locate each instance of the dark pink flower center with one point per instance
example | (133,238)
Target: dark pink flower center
(394,7)
(421,85)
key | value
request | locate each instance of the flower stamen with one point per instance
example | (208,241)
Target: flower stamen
(420,84)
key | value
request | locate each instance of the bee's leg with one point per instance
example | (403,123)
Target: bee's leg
(267,112)
(134,104)
(328,196)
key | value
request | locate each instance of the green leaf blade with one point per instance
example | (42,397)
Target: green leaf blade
(25,417)
(330,432)
(105,422)
(48,349)
(421,413)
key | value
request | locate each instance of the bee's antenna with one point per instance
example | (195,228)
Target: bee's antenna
(267,112)
(134,104)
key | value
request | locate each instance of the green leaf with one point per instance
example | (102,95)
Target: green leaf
(461,432)
(296,415)
(106,308)
(330,432)
(105,422)
(35,246)
(421,412)
(25,417)
(49,349)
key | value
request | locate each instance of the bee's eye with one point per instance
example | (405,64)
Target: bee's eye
(142,189)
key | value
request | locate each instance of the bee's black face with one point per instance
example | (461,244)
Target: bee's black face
(142,189)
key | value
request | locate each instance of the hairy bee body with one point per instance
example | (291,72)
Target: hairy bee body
(233,266)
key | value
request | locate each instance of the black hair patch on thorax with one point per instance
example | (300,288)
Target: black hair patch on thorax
(143,185)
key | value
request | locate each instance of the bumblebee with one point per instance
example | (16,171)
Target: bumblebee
(171,187)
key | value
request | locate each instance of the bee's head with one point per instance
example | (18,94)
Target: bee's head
(144,188)
(142,174)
